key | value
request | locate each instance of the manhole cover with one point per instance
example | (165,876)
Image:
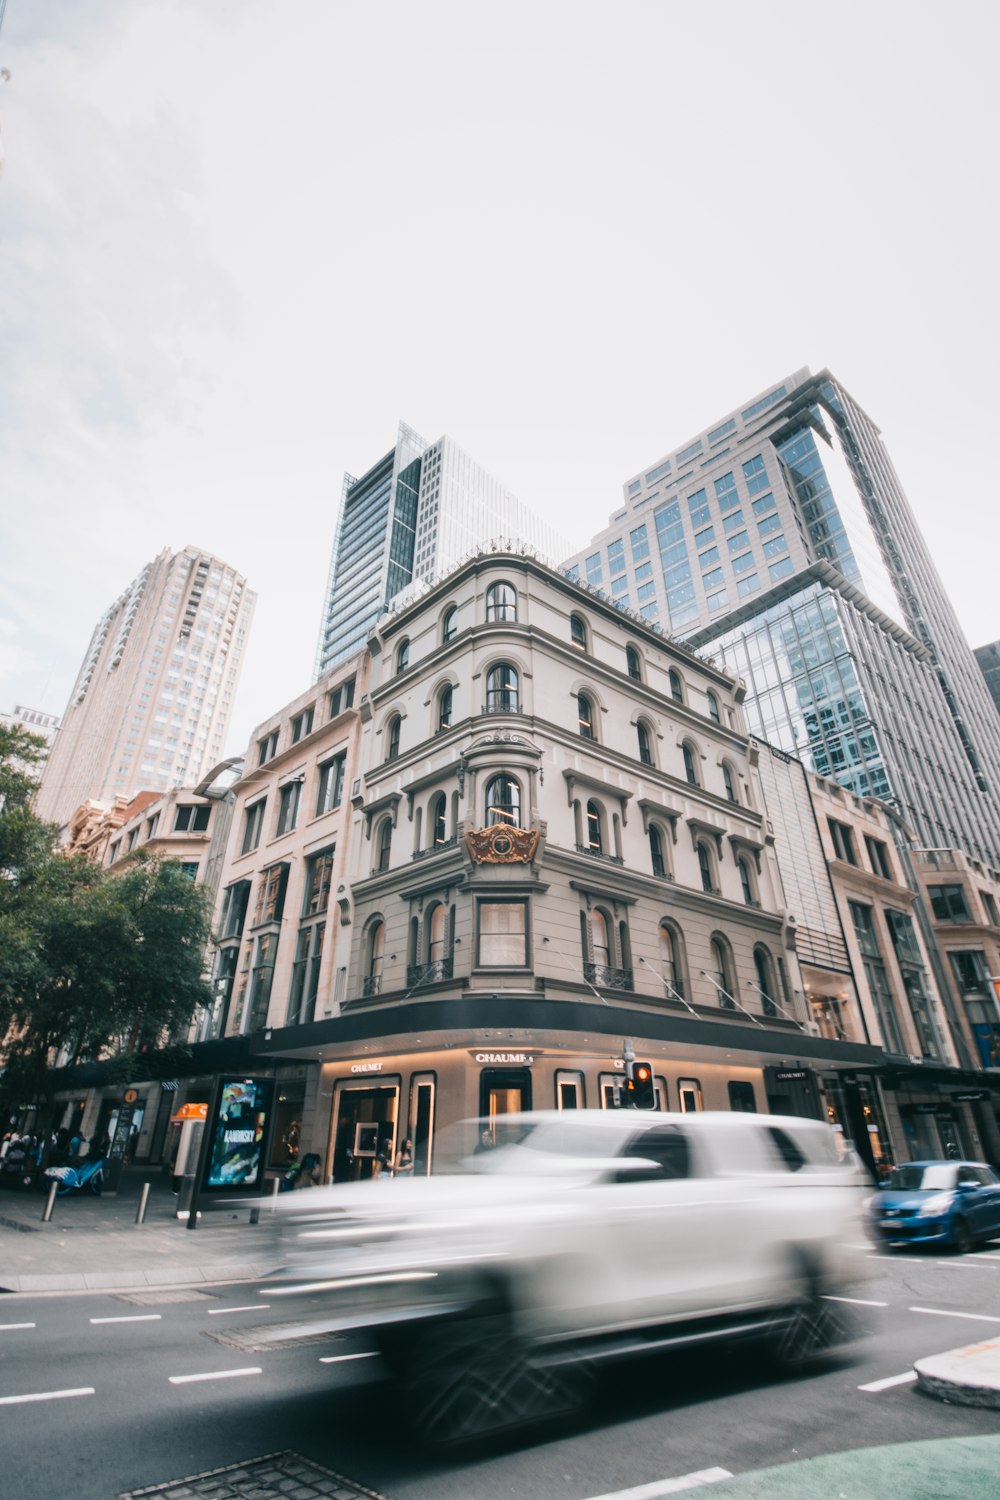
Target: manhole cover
(158,1299)
(277,1477)
(257,1339)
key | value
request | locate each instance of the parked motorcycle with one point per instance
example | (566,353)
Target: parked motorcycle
(88,1173)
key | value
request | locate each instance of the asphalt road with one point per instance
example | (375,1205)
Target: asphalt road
(141,1392)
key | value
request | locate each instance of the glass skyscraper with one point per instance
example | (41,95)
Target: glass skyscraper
(412,516)
(779,541)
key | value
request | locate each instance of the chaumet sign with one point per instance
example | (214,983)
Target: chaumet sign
(504,1059)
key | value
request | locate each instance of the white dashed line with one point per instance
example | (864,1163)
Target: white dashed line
(890,1380)
(667,1486)
(856,1301)
(215,1312)
(215,1375)
(341,1359)
(945,1312)
(132,1318)
(84,1390)
(7,1327)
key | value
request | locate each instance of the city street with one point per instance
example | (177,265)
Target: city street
(102,1395)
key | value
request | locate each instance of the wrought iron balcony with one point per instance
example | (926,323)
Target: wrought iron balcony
(432,973)
(371,984)
(611,859)
(436,848)
(611,979)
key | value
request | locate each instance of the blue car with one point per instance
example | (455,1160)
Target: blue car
(951,1203)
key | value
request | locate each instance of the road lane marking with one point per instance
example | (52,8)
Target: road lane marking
(667,1486)
(856,1301)
(84,1390)
(131,1318)
(340,1359)
(215,1375)
(945,1312)
(6,1327)
(215,1312)
(883,1385)
(901,1260)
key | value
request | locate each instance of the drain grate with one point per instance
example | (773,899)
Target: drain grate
(272,1336)
(279,1476)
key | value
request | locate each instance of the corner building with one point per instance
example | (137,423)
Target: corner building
(780,541)
(556,843)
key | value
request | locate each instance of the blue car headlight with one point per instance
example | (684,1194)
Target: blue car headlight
(936,1205)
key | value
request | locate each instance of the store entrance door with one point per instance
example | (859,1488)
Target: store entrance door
(503,1091)
(366,1121)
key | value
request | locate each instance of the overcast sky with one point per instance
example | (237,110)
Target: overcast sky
(241,238)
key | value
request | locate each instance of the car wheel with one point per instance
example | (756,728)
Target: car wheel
(812,1324)
(476,1379)
(961,1239)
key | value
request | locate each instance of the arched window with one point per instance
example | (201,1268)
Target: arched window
(503,801)
(722,973)
(445,699)
(600,938)
(384,845)
(705,867)
(671,961)
(437,943)
(633,663)
(645,744)
(594,832)
(764,969)
(690,767)
(501,603)
(402,656)
(713,708)
(578,632)
(656,851)
(502,689)
(585,715)
(449,623)
(729,781)
(392,733)
(439,820)
(746,881)
(676,686)
(376,953)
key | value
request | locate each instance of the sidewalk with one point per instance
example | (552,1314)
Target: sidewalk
(94,1244)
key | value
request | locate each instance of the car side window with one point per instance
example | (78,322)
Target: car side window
(972,1176)
(666,1149)
(791,1153)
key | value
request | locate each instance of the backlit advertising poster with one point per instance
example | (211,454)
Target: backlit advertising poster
(239,1134)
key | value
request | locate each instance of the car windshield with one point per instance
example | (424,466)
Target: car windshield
(922,1177)
(501,1144)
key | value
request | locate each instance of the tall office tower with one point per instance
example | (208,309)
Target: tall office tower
(414,514)
(780,542)
(152,701)
(988,658)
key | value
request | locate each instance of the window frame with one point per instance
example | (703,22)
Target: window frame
(484,903)
(501,610)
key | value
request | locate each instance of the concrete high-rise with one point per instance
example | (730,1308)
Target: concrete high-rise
(988,658)
(152,701)
(780,541)
(411,516)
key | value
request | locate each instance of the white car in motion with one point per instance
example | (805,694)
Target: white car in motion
(493,1286)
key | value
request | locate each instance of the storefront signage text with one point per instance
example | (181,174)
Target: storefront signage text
(505,1059)
(790,1075)
(372,1067)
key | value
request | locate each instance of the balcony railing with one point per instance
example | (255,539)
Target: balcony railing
(611,859)
(611,979)
(432,973)
(436,848)
(371,984)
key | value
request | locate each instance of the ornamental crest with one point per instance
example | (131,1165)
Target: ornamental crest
(502,845)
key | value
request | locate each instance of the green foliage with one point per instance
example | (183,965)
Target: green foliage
(95,964)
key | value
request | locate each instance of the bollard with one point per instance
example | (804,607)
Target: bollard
(140,1213)
(50,1203)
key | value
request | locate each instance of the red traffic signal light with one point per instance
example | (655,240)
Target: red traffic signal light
(640,1091)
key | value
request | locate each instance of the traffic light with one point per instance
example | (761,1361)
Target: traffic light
(640,1090)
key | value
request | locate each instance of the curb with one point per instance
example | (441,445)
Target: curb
(38,1283)
(967,1377)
